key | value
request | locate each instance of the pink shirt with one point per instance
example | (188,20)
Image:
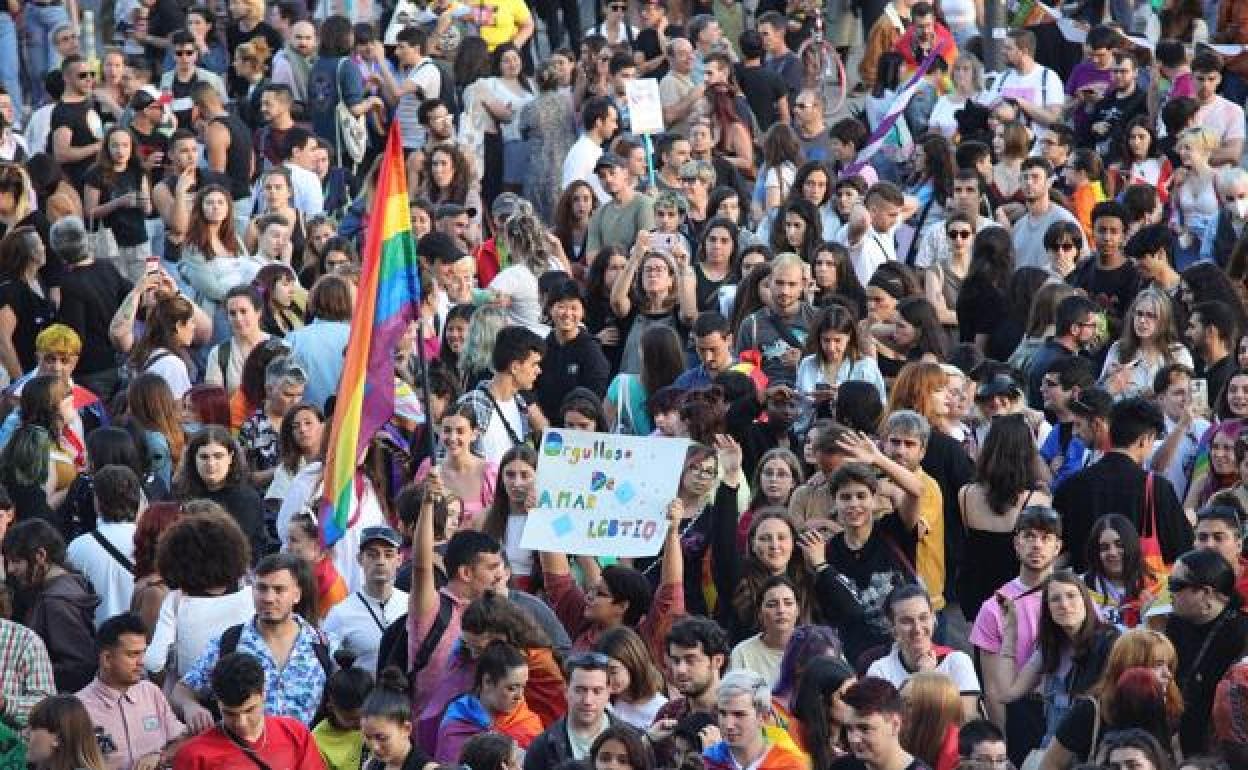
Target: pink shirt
(425,681)
(988,634)
(139,721)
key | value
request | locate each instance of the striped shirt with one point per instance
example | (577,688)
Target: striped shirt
(429,78)
(28,672)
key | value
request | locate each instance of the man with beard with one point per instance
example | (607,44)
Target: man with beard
(292,652)
(292,64)
(697,650)
(359,620)
(133,721)
(1028,232)
(55,599)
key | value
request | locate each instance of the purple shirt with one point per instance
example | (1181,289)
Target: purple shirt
(1083,75)
(138,721)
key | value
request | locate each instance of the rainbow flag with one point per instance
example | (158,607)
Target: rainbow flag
(387,301)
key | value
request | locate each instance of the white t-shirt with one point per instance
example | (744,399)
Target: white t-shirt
(1223,117)
(188,623)
(753,655)
(579,164)
(873,250)
(956,665)
(358,622)
(520,559)
(113,583)
(495,440)
(172,369)
(639,715)
(1041,86)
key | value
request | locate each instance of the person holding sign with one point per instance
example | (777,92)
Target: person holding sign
(708,523)
(621,596)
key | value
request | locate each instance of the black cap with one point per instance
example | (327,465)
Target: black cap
(445,210)
(999,385)
(1092,402)
(439,247)
(609,159)
(384,534)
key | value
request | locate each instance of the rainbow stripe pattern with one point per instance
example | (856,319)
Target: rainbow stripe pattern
(387,301)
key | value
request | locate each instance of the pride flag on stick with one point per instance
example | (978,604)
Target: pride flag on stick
(387,301)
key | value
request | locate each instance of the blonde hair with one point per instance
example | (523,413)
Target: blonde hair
(1201,138)
(1166,338)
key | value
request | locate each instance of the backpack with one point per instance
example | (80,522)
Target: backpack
(229,644)
(393,648)
(352,131)
(446,85)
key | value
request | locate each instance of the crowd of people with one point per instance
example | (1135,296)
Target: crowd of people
(962,369)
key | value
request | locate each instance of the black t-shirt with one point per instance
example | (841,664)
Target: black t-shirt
(883,563)
(165,18)
(33,313)
(763,88)
(1076,728)
(238,157)
(647,43)
(90,295)
(1112,290)
(127,222)
(181,90)
(1199,680)
(86,128)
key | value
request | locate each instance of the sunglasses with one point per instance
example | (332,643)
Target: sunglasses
(617,8)
(963,234)
(1066,246)
(185,52)
(86,75)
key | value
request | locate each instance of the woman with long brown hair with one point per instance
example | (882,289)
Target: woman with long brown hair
(118,195)
(214,259)
(571,223)
(60,736)
(41,460)
(513,497)
(25,303)
(732,135)
(157,415)
(167,334)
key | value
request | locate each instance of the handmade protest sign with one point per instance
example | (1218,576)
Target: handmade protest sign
(600,494)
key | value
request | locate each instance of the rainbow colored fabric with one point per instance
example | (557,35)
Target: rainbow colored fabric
(387,301)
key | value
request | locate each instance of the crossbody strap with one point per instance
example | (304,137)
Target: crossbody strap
(117,555)
(248,751)
(511,433)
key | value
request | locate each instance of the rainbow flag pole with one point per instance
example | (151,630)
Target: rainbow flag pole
(387,301)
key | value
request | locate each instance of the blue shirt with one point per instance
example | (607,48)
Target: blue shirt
(293,690)
(320,348)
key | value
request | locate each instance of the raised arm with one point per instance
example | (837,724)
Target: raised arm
(423,598)
(621,304)
(861,448)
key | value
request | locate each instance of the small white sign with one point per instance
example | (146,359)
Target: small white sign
(645,110)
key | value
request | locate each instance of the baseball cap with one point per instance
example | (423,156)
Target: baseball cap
(999,385)
(445,210)
(147,96)
(505,205)
(609,159)
(383,533)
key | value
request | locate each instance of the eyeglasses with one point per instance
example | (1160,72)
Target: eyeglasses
(702,471)
(963,234)
(1089,324)
(1148,315)
(1050,383)
(185,52)
(617,8)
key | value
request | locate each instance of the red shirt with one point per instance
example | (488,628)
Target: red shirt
(285,745)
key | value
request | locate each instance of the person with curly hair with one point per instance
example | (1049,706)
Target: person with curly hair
(202,557)
(215,468)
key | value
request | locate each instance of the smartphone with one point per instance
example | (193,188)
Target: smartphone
(664,242)
(1200,397)
(152,264)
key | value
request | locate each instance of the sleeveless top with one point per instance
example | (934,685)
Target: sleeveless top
(995,560)
(238,157)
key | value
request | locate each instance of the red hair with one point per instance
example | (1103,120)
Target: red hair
(154,521)
(211,404)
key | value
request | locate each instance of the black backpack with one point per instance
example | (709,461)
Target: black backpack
(229,644)
(392,650)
